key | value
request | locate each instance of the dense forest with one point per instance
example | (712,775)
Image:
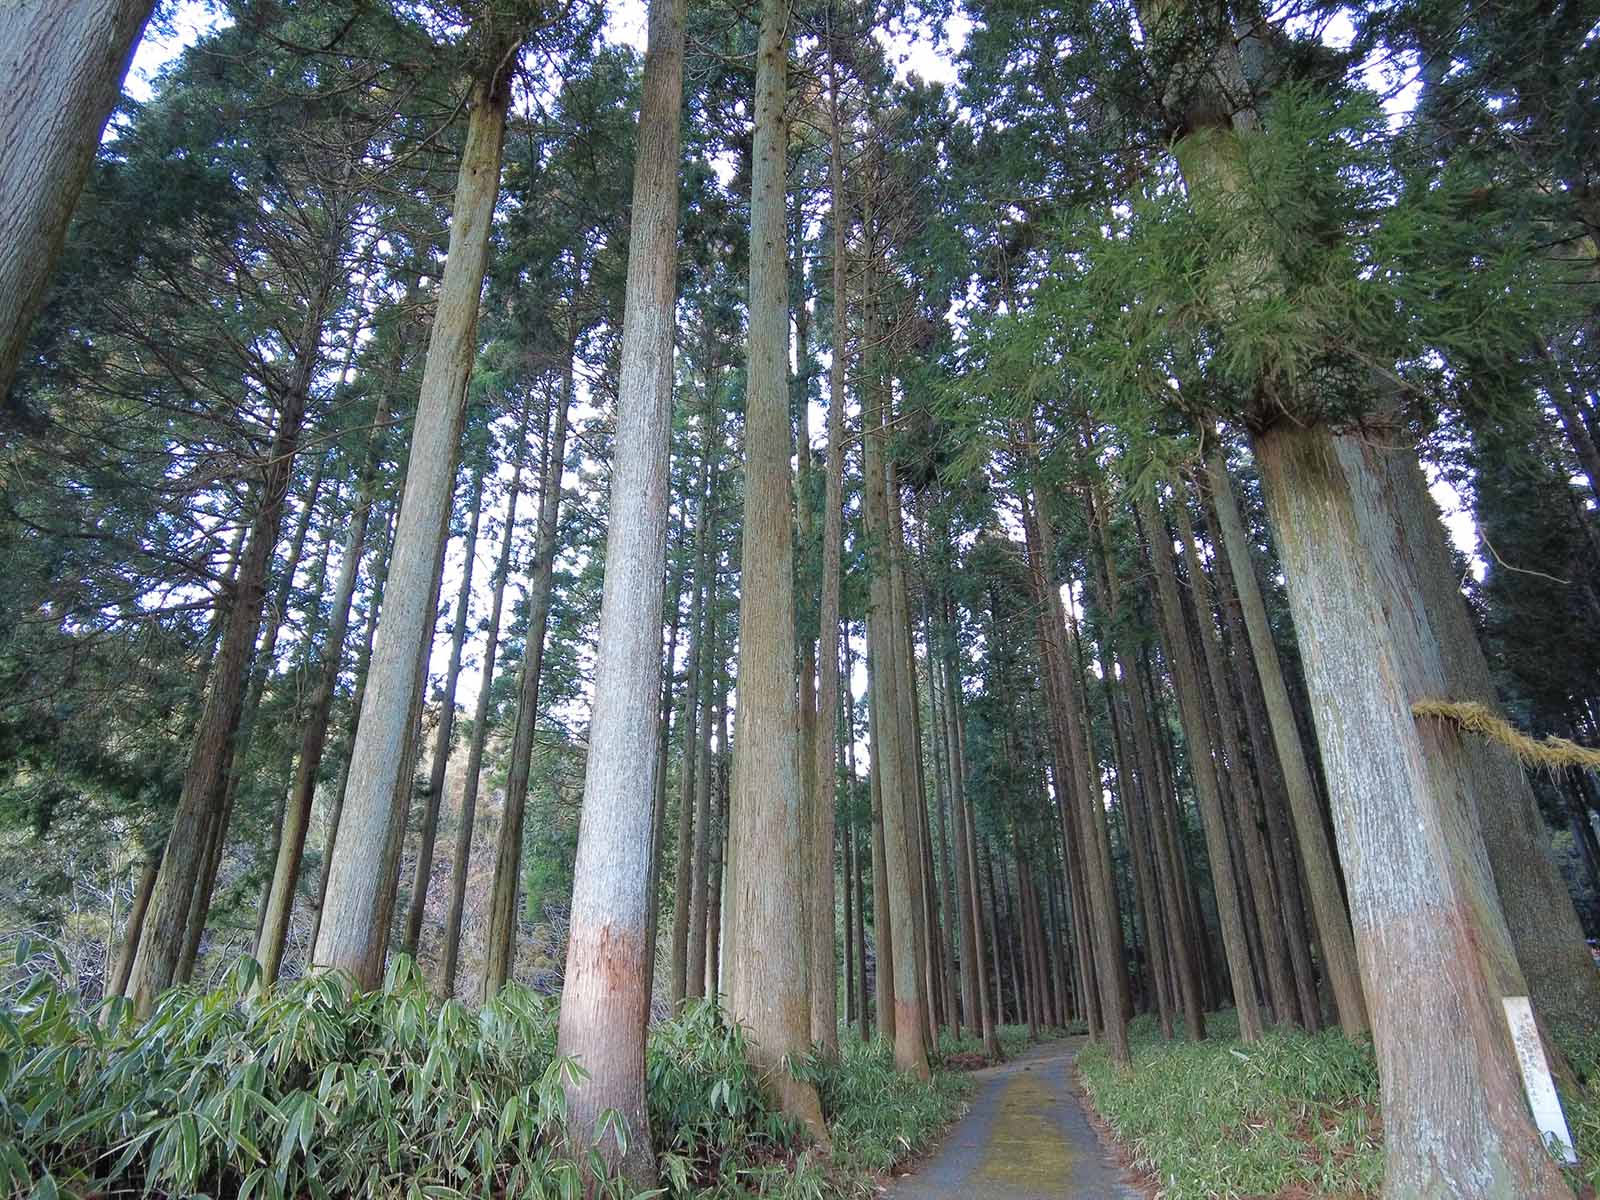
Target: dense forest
(581,617)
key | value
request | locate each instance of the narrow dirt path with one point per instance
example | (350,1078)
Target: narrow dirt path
(1026,1138)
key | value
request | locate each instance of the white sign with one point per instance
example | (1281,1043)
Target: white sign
(1536,1080)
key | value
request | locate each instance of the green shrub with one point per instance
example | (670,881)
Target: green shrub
(706,1109)
(1582,1048)
(305,1092)
(314,1091)
(878,1116)
(1219,1118)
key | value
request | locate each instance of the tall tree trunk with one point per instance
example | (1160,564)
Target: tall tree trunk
(658,819)
(699,895)
(1545,931)
(862,861)
(1269,773)
(279,905)
(1421,891)
(500,958)
(117,984)
(205,780)
(1186,679)
(352,930)
(1080,793)
(275,616)
(973,937)
(883,939)
(683,881)
(363,661)
(461,858)
(444,734)
(909,743)
(824,977)
(392,866)
(605,1005)
(1251,821)
(62,63)
(767,985)
(891,761)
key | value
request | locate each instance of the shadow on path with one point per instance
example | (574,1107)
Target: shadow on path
(1026,1138)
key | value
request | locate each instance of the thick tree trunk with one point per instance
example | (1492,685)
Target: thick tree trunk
(1422,896)
(1545,931)
(500,958)
(891,761)
(363,661)
(444,734)
(1316,854)
(605,1005)
(62,63)
(767,927)
(883,939)
(297,811)
(405,788)
(824,977)
(910,745)
(352,930)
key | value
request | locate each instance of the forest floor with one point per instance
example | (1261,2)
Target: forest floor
(1026,1137)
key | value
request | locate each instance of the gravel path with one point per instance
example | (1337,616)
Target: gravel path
(1026,1138)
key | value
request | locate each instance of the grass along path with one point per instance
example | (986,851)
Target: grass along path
(1294,1115)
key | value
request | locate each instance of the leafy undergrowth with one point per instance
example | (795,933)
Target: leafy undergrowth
(1582,1049)
(312,1093)
(965,1052)
(1293,1114)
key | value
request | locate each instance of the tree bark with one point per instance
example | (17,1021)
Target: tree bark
(500,958)
(891,762)
(461,859)
(1421,890)
(658,820)
(1334,936)
(683,880)
(297,811)
(605,1004)
(199,814)
(444,734)
(352,930)
(363,662)
(117,985)
(767,984)
(1247,802)
(1186,679)
(824,970)
(1080,796)
(62,63)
